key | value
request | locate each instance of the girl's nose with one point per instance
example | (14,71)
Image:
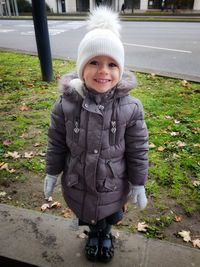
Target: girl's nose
(103,68)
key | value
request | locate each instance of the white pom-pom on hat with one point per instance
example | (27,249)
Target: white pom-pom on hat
(104,18)
(102,39)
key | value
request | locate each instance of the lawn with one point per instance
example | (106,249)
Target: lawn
(172,116)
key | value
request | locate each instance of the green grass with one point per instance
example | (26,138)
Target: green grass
(171,112)
(171,107)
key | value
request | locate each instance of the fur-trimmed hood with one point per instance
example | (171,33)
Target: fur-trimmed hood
(72,86)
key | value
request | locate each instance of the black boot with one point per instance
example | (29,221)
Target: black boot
(92,246)
(106,247)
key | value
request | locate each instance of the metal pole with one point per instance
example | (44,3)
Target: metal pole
(42,39)
(8,8)
(16,8)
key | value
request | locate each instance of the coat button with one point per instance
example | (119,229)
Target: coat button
(96,151)
(92,221)
(86,105)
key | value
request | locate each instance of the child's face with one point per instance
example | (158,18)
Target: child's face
(101,74)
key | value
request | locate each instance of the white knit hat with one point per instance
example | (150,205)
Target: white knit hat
(102,39)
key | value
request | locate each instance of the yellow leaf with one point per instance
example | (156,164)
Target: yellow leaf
(141,227)
(28,155)
(2,194)
(11,171)
(44,207)
(14,154)
(161,148)
(82,235)
(36,144)
(196,183)
(152,145)
(56,205)
(4,166)
(184,83)
(185,235)
(67,213)
(196,243)
(177,218)
(24,108)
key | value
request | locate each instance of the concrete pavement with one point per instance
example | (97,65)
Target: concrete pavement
(30,238)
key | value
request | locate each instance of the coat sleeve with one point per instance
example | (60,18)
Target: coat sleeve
(57,149)
(136,142)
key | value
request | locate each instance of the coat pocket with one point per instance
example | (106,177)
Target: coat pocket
(72,180)
(110,184)
(107,185)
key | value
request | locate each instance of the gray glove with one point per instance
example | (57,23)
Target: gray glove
(137,195)
(49,184)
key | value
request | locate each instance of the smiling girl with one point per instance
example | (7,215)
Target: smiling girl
(98,139)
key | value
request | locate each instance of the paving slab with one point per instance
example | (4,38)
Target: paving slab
(30,238)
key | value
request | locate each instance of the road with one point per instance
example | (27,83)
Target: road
(168,48)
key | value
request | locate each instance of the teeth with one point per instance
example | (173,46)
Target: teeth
(102,81)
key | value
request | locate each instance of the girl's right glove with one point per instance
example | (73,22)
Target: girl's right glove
(137,195)
(49,184)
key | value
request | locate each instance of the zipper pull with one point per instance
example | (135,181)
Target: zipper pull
(76,129)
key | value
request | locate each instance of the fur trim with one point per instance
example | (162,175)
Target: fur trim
(77,84)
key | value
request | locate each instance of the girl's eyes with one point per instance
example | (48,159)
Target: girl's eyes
(111,65)
(94,62)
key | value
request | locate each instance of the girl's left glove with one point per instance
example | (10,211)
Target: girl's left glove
(49,184)
(137,195)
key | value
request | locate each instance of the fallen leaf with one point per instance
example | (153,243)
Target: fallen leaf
(184,83)
(168,117)
(28,155)
(196,243)
(82,235)
(7,142)
(161,148)
(152,145)
(44,207)
(36,144)
(141,227)
(67,213)
(11,171)
(56,205)
(30,85)
(4,166)
(174,133)
(24,108)
(181,144)
(196,183)
(196,145)
(58,76)
(185,235)
(177,218)
(152,76)
(45,86)
(2,194)
(42,154)
(195,130)
(176,121)
(175,156)
(14,154)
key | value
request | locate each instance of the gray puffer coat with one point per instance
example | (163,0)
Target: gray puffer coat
(100,143)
